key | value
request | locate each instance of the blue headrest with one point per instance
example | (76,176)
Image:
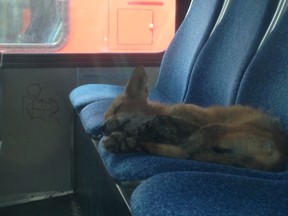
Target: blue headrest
(184,48)
(229,50)
(265,84)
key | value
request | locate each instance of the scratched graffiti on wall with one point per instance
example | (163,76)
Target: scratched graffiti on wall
(37,107)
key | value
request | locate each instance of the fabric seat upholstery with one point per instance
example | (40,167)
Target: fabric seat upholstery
(209,194)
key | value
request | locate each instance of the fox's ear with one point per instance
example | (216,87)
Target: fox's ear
(137,85)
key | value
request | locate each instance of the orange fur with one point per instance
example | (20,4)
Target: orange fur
(254,138)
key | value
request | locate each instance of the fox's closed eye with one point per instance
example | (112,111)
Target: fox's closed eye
(117,109)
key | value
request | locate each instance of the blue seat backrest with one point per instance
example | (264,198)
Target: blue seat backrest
(181,54)
(265,83)
(224,58)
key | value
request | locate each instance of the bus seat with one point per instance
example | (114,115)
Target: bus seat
(256,17)
(264,86)
(176,64)
(227,54)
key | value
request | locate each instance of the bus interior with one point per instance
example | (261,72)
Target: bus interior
(62,62)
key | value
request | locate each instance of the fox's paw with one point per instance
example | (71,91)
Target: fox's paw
(160,128)
(168,129)
(117,142)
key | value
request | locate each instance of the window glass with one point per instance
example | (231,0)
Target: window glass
(32,23)
(86,26)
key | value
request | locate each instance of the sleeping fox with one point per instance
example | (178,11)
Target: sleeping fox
(234,135)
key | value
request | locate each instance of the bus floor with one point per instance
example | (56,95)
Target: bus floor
(58,206)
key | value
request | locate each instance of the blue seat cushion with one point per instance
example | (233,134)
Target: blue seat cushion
(140,166)
(86,94)
(92,115)
(210,194)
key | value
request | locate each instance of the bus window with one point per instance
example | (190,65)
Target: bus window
(31,23)
(86,26)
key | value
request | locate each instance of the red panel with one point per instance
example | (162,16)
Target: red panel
(134,27)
